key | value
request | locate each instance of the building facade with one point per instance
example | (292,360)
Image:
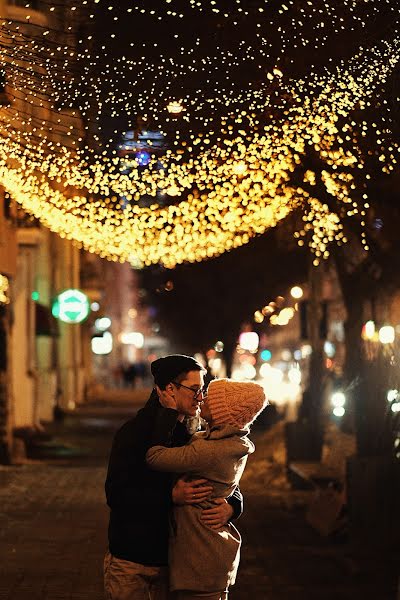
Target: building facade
(41,359)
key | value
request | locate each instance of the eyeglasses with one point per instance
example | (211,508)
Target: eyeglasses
(196,393)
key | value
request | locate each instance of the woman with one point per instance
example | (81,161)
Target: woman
(203,561)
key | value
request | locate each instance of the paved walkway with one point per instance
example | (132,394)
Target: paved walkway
(53,529)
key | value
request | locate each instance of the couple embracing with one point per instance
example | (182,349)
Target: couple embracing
(172,495)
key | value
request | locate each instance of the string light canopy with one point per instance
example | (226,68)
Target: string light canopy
(145,76)
(217,186)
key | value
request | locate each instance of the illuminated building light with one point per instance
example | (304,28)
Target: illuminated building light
(249,340)
(103,323)
(219,346)
(102,345)
(247,359)
(395,407)
(339,411)
(133,338)
(266,355)
(35,296)
(306,351)
(198,356)
(245,371)
(329,349)
(392,395)
(272,375)
(387,334)
(368,331)
(265,370)
(249,371)
(338,399)
(95,307)
(215,365)
(294,376)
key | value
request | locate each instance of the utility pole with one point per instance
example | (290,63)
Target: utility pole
(313,401)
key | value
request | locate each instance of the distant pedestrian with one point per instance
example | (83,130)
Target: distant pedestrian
(118,375)
(203,560)
(140,499)
(130,374)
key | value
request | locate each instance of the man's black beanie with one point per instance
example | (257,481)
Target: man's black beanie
(165,370)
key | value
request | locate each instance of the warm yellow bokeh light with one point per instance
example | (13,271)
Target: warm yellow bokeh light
(226,189)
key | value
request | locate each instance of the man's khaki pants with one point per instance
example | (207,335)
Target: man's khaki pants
(187,595)
(125,580)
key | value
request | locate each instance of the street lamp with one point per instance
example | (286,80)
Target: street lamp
(386,334)
(296,292)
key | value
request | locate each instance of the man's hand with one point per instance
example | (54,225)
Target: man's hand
(191,492)
(218,515)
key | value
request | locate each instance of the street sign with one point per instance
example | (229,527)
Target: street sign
(71,306)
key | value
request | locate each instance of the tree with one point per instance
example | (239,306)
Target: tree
(211,300)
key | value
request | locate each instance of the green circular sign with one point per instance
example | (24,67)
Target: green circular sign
(71,306)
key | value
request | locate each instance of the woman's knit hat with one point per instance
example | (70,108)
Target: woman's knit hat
(235,403)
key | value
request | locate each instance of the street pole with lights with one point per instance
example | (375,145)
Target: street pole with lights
(304,437)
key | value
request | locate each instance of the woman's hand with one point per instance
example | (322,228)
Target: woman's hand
(217,516)
(166,397)
(191,492)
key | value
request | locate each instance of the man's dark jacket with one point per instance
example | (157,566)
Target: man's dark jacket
(139,498)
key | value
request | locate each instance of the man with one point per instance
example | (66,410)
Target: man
(135,568)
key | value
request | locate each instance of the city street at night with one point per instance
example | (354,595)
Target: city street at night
(54,521)
(200,249)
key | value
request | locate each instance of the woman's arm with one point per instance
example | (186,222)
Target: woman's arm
(187,459)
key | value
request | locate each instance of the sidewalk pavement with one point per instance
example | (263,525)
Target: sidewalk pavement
(54,524)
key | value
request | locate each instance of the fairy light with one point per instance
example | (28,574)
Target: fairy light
(4,287)
(175,107)
(274,313)
(230,181)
